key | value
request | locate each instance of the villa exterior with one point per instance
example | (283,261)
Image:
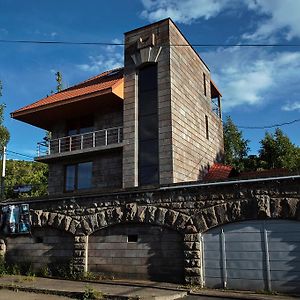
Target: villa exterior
(129,192)
(152,122)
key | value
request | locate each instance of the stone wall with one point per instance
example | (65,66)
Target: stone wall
(189,210)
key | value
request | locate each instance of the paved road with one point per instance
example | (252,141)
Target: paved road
(11,295)
(194,297)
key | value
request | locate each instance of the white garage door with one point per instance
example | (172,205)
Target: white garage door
(254,255)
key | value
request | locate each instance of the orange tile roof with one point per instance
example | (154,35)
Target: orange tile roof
(217,172)
(104,81)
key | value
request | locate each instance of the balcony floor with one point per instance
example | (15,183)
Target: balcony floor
(57,156)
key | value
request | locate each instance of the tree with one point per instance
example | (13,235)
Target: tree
(277,151)
(235,146)
(59,88)
(26,173)
(4,133)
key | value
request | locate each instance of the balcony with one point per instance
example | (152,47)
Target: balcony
(80,143)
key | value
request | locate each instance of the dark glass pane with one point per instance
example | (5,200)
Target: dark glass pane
(148,103)
(84,176)
(148,127)
(148,78)
(148,175)
(148,153)
(70,177)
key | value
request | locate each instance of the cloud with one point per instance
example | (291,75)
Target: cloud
(253,77)
(110,58)
(280,17)
(291,106)
(186,11)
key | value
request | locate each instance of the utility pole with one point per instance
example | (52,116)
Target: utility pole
(3,171)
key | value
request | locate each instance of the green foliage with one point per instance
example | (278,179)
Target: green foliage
(3,269)
(4,133)
(20,172)
(91,293)
(277,151)
(235,146)
(58,77)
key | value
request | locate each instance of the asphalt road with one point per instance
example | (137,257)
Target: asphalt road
(194,297)
(11,295)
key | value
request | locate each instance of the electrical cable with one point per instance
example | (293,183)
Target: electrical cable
(122,44)
(20,154)
(269,126)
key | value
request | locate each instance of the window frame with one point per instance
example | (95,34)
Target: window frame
(76,176)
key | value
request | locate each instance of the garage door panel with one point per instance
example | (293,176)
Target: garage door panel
(238,237)
(246,275)
(215,255)
(249,284)
(289,256)
(245,264)
(240,246)
(287,237)
(213,263)
(283,247)
(290,275)
(284,265)
(240,254)
(245,255)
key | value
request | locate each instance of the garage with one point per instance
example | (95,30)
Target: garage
(253,255)
(137,251)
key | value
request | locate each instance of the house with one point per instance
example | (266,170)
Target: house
(127,151)
(156,121)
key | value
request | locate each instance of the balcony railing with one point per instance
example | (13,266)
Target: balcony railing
(84,141)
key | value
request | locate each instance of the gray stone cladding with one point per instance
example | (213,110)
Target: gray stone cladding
(184,150)
(189,210)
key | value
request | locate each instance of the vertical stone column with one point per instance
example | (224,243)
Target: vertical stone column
(193,259)
(80,253)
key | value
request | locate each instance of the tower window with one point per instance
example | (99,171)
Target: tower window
(206,127)
(204,84)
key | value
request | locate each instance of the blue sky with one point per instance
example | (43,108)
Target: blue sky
(260,85)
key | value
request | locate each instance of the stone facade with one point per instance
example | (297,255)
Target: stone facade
(189,210)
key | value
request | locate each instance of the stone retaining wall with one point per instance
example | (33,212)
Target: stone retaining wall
(189,210)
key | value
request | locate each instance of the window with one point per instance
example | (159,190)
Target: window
(78,176)
(132,238)
(148,161)
(206,127)
(204,84)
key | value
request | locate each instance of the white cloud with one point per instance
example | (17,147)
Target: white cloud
(291,106)
(253,77)
(281,15)
(185,11)
(110,58)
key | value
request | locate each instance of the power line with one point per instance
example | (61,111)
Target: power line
(20,154)
(122,44)
(269,126)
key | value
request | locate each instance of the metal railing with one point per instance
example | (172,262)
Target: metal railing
(104,137)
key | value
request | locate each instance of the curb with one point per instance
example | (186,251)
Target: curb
(75,295)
